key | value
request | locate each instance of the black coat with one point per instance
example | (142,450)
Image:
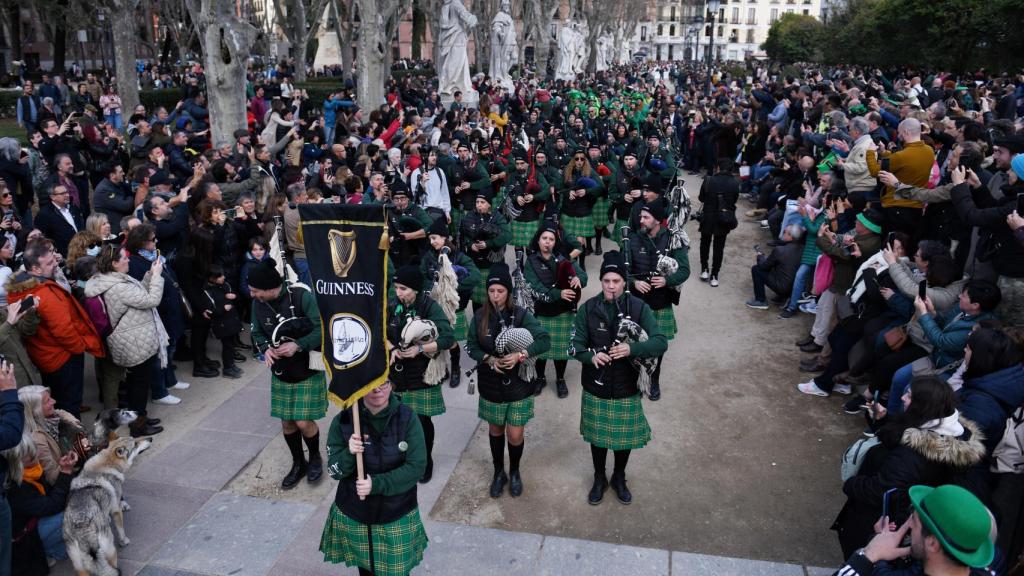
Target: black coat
(18,178)
(781,266)
(719,194)
(224,323)
(53,225)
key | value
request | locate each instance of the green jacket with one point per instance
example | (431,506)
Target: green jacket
(656,343)
(429,260)
(541,339)
(341,463)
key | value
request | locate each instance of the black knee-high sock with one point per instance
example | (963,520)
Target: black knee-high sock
(541,367)
(428,436)
(456,355)
(294,442)
(600,457)
(498,452)
(313,445)
(560,369)
(621,459)
(515,454)
(656,376)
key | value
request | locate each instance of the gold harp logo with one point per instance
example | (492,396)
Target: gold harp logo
(343,251)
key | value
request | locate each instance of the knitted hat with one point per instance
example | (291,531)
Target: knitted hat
(1017,165)
(499,274)
(958,520)
(264,275)
(410,277)
(613,263)
(486,193)
(438,228)
(871,220)
(400,191)
(656,210)
(1014,143)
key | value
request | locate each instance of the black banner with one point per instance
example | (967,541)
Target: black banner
(346,247)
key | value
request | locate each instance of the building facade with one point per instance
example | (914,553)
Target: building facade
(741,26)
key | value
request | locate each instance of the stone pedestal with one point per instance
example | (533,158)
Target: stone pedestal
(470,99)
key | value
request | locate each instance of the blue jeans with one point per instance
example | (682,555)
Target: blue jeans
(158,387)
(114,119)
(329,134)
(756,173)
(799,282)
(51,535)
(5,537)
(302,269)
(900,382)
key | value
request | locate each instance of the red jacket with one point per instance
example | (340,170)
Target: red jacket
(64,327)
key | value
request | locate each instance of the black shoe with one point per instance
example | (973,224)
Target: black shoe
(621,492)
(788,312)
(316,471)
(153,421)
(539,384)
(210,363)
(294,475)
(232,372)
(812,348)
(204,372)
(655,394)
(598,489)
(804,342)
(454,381)
(855,405)
(428,472)
(597,247)
(515,484)
(148,429)
(498,483)
(563,390)
(238,356)
(814,365)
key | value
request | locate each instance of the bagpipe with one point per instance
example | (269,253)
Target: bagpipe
(418,332)
(509,340)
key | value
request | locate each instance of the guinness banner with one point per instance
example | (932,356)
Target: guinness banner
(348,265)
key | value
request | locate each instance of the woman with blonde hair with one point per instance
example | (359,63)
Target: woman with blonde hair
(54,432)
(99,224)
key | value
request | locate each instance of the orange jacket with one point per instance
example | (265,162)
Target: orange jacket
(64,327)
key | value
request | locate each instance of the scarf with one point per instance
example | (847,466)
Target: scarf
(33,475)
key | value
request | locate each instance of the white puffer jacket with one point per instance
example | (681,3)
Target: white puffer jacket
(131,307)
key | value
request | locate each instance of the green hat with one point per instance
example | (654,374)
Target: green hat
(863,219)
(958,520)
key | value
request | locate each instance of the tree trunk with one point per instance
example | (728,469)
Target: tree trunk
(419,25)
(227,43)
(344,30)
(372,49)
(122,30)
(14,40)
(60,40)
(299,38)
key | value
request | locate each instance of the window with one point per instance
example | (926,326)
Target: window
(735,15)
(643,34)
(721,31)
(734,36)
(672,32)
(789,10)
(774,16)
(673,13)
(750,36)
(721,15)
(661,29)
(751,15)
(807,12)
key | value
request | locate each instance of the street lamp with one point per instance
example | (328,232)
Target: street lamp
(713,6)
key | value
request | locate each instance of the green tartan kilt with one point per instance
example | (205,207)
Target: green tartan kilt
(522,232)
(516,413)
(479,296)
(581,226)
(461,326)
(666,318)
(617,233)
(426,401)
(457,215)
(617,424)
(306,400)
(397,546)
(560,329)
(600,214)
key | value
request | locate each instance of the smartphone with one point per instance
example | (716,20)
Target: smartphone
(885,164)
(885,501)
(157,254)
(231,213)
(28,304)
(922,289)
(890,239)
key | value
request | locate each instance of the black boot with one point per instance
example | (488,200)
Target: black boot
(316,471)
(563,390)
(143,426)
(539,384)
(597,490)
(621,492)
(454,382)
(515,484)
(498,483)
(298,470)
(597,244)
(655,393)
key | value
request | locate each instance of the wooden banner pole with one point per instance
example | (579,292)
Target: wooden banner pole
(359,434)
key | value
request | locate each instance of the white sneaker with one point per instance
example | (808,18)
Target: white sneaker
(811,388)
(764,223)
(714,281)
(809,308)
(180,386)
(843,389)
(704,275)
(169,400)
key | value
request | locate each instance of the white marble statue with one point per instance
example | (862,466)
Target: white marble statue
(453,72)
(626,51)
(605,46)
(568,44)
(582,48)
(504,48)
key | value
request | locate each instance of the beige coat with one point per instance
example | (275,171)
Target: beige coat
(131,306)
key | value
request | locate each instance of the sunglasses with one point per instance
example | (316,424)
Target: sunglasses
(95,245)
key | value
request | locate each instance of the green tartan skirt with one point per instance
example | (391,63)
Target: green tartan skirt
(560,329)
(397,546)
(457,215)
(479,296)
(600,213)
(426,401)
(516,413)
(614,424)
(306,400)
(522,232)
(461,326)
(581,226)
(666,318)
